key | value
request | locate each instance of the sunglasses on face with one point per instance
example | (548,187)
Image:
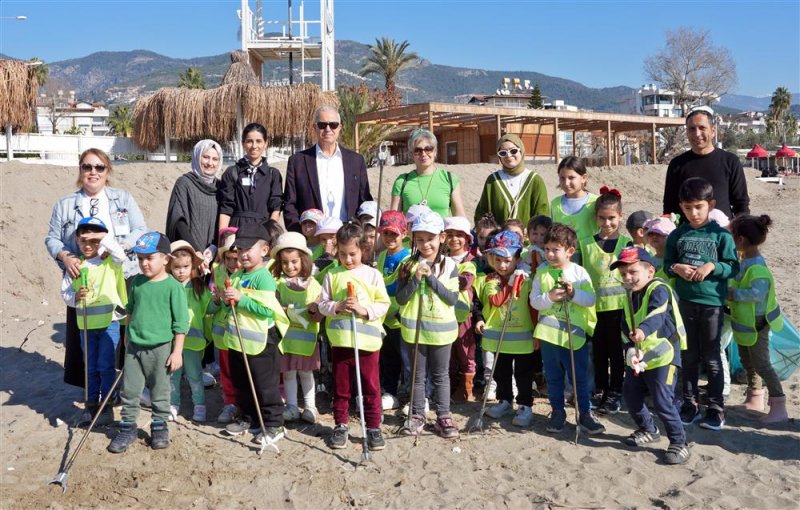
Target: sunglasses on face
(322,125)
(428,149)
(506,152)
(86,167)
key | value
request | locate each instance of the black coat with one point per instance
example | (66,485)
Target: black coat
(248,204)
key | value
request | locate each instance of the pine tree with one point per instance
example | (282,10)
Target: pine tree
(536,101)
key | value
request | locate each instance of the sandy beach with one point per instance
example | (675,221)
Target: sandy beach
(744,466)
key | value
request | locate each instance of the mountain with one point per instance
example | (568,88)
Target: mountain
(751,103)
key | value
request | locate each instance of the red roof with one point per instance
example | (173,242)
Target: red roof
(785,152)
(757,152)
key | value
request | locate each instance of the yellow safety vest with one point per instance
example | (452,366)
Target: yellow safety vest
(254,329)
(299,340)
(317,252)
(392,320)
(464,303)
(438,325)
(657,351)
(552,324)
(220,319)
(743,314)
(339,327)
(607,283)
(518,338)
(106,292)
(196,337)
(584,221)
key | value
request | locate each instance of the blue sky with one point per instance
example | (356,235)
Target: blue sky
(598,43)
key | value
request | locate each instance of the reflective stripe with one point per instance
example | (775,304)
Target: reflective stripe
(552,322)
(610,291)
(662,348)
(742,328)
(197,333)
(300,335)
(774,314)
(435,327)
(509,336)
(344,325)
(218,329)
(99,309)
(254,336)
(460,305)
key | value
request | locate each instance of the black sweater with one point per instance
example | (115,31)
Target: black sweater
(250,204)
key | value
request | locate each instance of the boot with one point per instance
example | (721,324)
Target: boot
(777,411)
(457,388)
(541,383)
(124,438)
(159,435)
(469,384)
(754,400)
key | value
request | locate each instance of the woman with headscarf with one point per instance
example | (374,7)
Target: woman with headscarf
(514,191)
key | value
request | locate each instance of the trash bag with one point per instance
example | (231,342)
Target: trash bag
(784,350)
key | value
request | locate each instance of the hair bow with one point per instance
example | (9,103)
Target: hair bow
(613,191)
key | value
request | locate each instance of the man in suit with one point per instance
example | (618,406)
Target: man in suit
(326,176)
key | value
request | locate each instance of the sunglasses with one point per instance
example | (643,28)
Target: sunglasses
(427,149)
(93,206)
(503,153)
(322,125)
(86,167)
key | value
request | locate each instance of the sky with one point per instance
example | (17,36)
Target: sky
(597,43)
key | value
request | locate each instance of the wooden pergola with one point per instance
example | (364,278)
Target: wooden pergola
(461,116)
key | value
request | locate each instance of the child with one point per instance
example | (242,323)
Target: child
(368,242)
(658,229)
(431,312)
(562,285)
(367,213)
(515,225)
(462,359)
(754,312)
(296,290)
(183,266)
(262,323)
(635,225)
(597,254)
(100,301)
(516,350)
(309,220)
(369,306)
(653,336)
(393,358)
(326,237)
(575,208)
(703,257)
(534,254)
(485,228)
(158,322)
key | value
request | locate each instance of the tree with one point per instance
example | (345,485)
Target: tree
(360,99)
(536,101)
(778,118)
(121,120)
(191,79)
(388,59)
(41,70)
(53,102)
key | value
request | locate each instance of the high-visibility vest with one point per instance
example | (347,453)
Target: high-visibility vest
(196,337)
(518,337)
(254,330)
(437,323)
(552,325)
(392,320)
(743,314)
(339,327)
(317,252)
(320,276)
(583,222)
(107,291)
(607,283)
(657,351)
(220,319)
(299,340)
(464,303)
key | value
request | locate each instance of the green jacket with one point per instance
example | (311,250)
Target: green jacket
(530,201)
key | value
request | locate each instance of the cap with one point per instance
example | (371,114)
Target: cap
(370,208)
(293,240)
(328,225)
(226,247)
(197,257)
(314,215)
(393,221)
(505,244)
(428,221)
(414,211)
(152,242)
(662,226)
(91,221)
(631,255)
(459,223)
(637,220)
(249,234)
(719,217)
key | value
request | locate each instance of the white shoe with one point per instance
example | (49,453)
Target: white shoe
(199,413)
(389,401)
(499,410)
(173,413)
(208,380)
(228,413)
(406,407)
(491,387)
(524,417)
(144,400)
(292,413)
(309,415)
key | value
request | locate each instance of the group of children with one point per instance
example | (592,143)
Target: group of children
(580,297)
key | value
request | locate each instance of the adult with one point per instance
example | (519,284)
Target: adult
(514,191)
(192,214)
(427,184)
(721,168)
(326,176)
(120,213)
(250,191)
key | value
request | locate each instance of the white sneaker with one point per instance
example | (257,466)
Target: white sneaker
(199,413)
(309,415)
(499,410)
(524,417)
(208,380)
(292,413)
(389,401)
(406,407)
(491,387)
(144,400)
(227,414)
(173,413)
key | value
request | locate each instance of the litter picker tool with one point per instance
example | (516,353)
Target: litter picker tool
(565,307)
(61,477)
(85,285)
(383,155)
(632,321)
(351,293)
(407,424)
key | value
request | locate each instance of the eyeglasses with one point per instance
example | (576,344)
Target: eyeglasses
(427,149)
(93,206)
(86,167)
(506,152)
(322,125)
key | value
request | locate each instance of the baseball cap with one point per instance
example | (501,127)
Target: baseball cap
(249,234)
(186,246)
(662,226)
(416,210)
(293,240)
(460,224)
(393,221)
(152,242)
(631,255)
(93,222)
(328,225)
(505,244)
(428,221)
(370,208)
(637,219)
(314,215)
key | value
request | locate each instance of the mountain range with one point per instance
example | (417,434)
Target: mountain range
(121,77)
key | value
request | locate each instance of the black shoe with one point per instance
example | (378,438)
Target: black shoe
(714,420)
(642,437)
(124,438)
(597,400)
(612,404)
(689,414)
(338,439)
(590,425)
(677,454)
(375,440)
(557,419)
(159,435)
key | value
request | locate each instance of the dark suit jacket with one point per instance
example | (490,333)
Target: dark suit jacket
(302,185)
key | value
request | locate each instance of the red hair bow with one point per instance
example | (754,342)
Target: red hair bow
(613,191)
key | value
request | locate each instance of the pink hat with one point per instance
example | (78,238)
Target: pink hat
(662,226)
(719,217)
(314,215)
(328,225)
(459,224)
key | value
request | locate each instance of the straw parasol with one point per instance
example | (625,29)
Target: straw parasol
(17,94)
(240,70)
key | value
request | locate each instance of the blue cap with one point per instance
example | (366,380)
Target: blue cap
(505,244)
(631,255)
(152,242)
(91,221)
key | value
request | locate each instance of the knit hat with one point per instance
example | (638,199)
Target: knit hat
(91,222)
(521,146)
(662,226)
(328,225)
(393,221)
(152,242)
(249,234)
(428,221)
(632,254)
(314,215)
(720,217)
(292,240)
(459,224)
(416,210)
(505,244)
(197,257)
(637,220)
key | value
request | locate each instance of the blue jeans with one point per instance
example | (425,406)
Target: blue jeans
(556,365)
(101,355)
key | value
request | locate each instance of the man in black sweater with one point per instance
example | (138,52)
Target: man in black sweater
(722,169)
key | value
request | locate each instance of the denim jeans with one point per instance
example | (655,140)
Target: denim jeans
(193,369)
(703,327)
(557,365)
(101,355)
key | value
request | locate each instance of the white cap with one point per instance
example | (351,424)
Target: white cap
(428,221)
(369,207)
(328,225)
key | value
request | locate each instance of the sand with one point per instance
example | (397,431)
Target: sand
(744,466)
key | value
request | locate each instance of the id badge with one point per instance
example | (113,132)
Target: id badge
(245,181)
(121,225)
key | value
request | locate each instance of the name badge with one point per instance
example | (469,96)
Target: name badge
(245,181)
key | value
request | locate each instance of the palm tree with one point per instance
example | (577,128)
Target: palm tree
(781,101)
(191,79)
(387,58)
(352,101)
(121,121)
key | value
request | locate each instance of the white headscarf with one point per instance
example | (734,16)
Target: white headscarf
(199,149)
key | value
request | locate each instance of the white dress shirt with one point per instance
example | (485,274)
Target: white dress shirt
(330,172)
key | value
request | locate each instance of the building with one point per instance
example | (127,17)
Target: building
(657,102)
(744,122)
(70,115)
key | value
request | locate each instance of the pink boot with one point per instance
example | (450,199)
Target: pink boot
(754,400)
(777,411)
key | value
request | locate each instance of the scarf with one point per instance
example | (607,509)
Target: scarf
(518,143)
(251,169)
(199,149)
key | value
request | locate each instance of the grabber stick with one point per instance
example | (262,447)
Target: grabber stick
(249,374)
(565,305)
(351,293)
(85,285)
(478,423)
(632,321)
(407,424)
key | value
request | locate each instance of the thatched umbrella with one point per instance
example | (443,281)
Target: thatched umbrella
(240,70)
(17,97)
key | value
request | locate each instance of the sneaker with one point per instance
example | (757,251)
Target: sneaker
(557,420)
(406,408)
(499,410)
(126,435)
(677,454)
(273,435)
(338,439)
(642,437)
(689,414)
(209,381)
(238,427)
(228,413)
(173,413)
(144,399)
(375,440)
(589,424)
(292,413)
(389,402)
(309,415)
(491,387)
(598,399)
(713,420)
(524,417)
(199,413)
(612,404)
(159,435)
(213,369)
(106,417)
(414,426)
(446,427)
